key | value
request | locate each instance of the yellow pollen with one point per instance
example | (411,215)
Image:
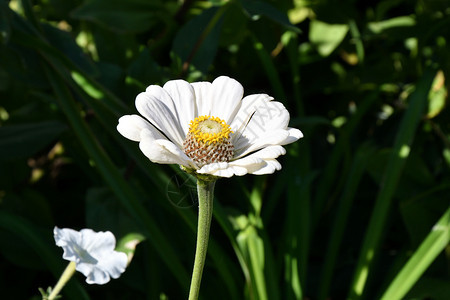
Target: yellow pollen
(209,129)
(208,141)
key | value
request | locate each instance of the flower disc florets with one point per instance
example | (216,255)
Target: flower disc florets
(208,141)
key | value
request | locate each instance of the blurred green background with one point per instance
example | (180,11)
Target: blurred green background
(360,209)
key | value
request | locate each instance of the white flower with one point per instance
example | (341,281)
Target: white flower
(210,128)
(93,252)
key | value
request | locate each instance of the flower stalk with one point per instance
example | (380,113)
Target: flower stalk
(205,191)
(65,277)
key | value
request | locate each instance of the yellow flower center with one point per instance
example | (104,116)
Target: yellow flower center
(208,141)
(209,129)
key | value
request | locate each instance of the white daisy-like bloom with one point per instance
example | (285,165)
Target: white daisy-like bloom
(93,252)
(210,128)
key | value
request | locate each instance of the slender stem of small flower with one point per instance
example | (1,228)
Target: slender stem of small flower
(205,190)
(65,277)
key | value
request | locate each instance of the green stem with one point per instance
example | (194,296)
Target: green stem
(65,277)
(205,190)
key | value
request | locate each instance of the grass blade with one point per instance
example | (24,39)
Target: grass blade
(271,70)
(351,187)
(431,247)
(399,154)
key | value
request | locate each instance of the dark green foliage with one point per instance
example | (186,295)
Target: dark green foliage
(364,192)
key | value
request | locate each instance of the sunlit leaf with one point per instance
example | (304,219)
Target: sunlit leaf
(438,96)
(434,243)
(403,21)
(128,243)
(327,37)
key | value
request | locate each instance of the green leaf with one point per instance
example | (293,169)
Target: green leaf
(18,141)
(437,96)
(393,171)
(254,9)
(403,21)
(431,247)
(122,16)
(65,43)
(234,29)
(415,178)
(128,243)
(419,213)
(270,68)
(30,204)
(327,37)
(196,42)
(103,211)
(252,247)
(361,157)
(144,68)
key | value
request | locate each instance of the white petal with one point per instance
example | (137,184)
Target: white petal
(260,162)
(97,243)
(221,169)
(206,169)
(294,135)
(268,116)
(227,173)
(225,96)
(203,103)
(238,170)
(269,152)
(160,115)
(67,238)
(165,152)
(250,164)
(130,126)
(65,235)
(95,275)
(85,268)
(182,94)
(271,166)
(267,126)
(147,133)
(114,264)
(274,137)
(224,169)
(249,105)
(158,92)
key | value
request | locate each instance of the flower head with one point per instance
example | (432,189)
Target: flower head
(93,252)
(210,127)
